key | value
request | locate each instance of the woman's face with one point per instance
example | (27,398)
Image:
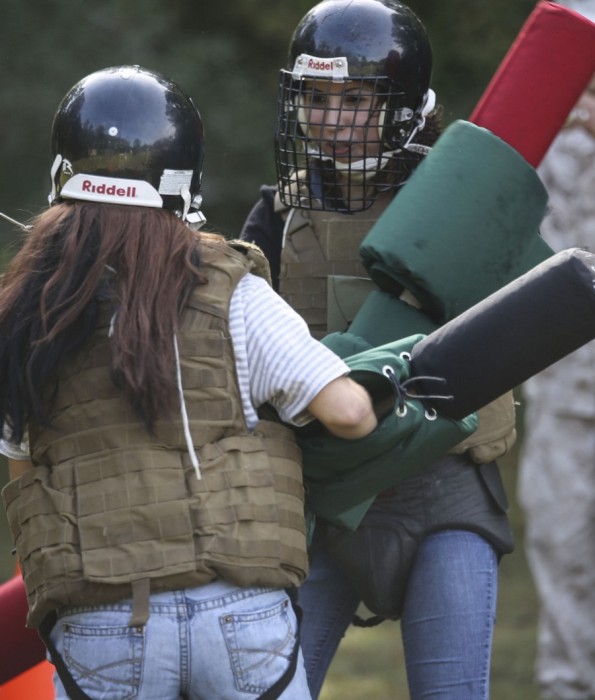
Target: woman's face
(342,117)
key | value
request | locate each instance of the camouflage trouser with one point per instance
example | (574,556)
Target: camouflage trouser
(557,492)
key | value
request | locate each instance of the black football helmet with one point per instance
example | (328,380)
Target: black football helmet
(127,135)
(380,46)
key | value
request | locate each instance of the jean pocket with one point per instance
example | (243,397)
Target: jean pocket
(104,661)
(260,644)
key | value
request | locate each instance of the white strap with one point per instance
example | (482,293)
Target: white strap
(187,435)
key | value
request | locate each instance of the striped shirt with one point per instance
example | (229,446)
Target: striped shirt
(277,359)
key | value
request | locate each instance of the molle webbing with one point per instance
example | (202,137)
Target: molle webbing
(105,528)
(316,246)
(108,506)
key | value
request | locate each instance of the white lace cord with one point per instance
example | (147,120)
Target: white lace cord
(14,222)
(187,435)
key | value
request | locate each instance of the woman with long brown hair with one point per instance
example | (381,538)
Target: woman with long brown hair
(157,519)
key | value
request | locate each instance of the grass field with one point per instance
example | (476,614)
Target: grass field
(369,665)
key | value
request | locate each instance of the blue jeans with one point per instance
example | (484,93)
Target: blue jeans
(447,623)
(215,641)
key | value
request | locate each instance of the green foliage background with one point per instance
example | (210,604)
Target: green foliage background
(225,54)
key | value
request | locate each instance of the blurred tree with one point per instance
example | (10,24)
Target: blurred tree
(225,54)
(469,40)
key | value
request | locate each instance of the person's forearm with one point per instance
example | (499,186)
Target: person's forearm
(345,409)
(355,430)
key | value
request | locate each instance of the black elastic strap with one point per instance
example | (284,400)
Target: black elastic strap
(70,686)
(367,621)
(275,690)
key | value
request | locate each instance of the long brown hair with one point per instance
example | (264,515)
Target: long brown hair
(144,261)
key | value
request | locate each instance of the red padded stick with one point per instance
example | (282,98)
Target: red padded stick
(539,81)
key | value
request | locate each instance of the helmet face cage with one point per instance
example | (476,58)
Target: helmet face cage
(127,135)
(346,119)
(319,167)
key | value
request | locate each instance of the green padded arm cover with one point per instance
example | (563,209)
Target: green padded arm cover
(465,224)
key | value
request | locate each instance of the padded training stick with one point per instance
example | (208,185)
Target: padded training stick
(511,335)
(539,81)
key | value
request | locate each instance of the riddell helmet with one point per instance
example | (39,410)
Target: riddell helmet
(382,47)
(127,135)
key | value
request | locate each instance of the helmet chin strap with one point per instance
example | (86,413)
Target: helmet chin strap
(60,163)
(428,104)
(53,172)
(366,167)
(191,213)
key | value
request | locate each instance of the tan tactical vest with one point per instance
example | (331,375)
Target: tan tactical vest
(320,244)
(109,511)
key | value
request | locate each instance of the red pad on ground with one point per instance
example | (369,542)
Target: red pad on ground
(20,647)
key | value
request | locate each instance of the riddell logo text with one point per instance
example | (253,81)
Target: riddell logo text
(320,65)
(111,190)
